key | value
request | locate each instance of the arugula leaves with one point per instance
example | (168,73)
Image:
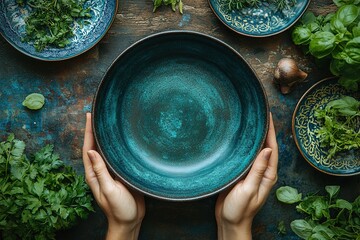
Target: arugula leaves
(52,22)
(327,217)
(341,125)
(239,4)
(335,36)
(173,3)
(38,195)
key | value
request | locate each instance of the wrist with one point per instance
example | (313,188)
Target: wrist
(230,231)
(122,231)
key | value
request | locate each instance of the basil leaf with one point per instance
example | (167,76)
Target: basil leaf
(34,101)
(352,50)
(337,26)
(349,83)
(322,44)
(301,35)
(288,194)
(347,14)
(341,203)
(301,228)
(332,190)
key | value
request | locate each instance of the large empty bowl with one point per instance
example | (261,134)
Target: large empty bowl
(180,115)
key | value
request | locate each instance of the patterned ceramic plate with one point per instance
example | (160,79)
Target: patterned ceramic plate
(261,21)
(304,125)
(12,27)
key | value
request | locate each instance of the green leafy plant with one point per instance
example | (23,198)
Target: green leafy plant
(340,128)
(335,36)
(327,217)
(172,3)
(38,195)
(34,101)
(51,22)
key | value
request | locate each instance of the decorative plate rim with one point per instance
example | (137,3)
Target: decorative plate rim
(295,135)
(264,35)
(205,194)
(2,33)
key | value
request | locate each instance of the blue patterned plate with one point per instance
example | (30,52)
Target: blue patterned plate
(261,21)
(180,115)
(304,125)
(12,28)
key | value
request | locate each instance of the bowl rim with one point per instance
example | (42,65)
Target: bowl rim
(297,143)
(2,33)
(201,196)
(265,35)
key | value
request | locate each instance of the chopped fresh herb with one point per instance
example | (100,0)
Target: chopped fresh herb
(51,22)
(281,227)
(327,217)
(34,101)
(239,4)
(38,195)
(340,128)
(172,3)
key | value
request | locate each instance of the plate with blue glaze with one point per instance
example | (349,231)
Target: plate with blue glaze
(304,125)
(180,115)
(262,20)
(12,28)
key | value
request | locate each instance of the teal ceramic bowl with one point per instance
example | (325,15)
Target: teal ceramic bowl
(263,20)
(12,28)
(180,115)
(304,126)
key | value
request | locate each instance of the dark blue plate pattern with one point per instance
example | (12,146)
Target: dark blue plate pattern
(261,21)
(12,28)
(180,115)
(304,125)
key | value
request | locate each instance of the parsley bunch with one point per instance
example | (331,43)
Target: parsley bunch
(341,125)
(327,217)
(51,22)
(40,195)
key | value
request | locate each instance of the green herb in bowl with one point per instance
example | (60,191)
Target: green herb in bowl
(340,130)
(50,22)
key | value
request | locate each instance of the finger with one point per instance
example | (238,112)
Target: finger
(106,182)
(258,169)
(271,171)
(88,145)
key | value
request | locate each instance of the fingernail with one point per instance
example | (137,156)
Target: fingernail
(267,153)
(91,155)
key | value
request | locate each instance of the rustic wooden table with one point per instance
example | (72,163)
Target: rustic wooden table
(69,87)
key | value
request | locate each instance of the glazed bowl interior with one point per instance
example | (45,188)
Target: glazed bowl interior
(180,115)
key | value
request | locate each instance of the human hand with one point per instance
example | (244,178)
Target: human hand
(123,209)
(236,209)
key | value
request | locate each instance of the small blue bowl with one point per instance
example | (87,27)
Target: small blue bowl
(12,28)
(305,124)
(263,20)
(180,115)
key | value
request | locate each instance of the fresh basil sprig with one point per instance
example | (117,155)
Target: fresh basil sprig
(172,3)
(327,217)
(38,195)
(335,36)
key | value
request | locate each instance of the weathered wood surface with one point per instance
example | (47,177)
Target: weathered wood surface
(69,87)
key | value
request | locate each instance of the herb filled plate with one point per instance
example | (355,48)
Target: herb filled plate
(86,30)
(262,18)
(305,127)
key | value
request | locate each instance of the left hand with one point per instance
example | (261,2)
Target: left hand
(123,209)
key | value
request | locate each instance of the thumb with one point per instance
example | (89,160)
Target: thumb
(259,167)
(106,182)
